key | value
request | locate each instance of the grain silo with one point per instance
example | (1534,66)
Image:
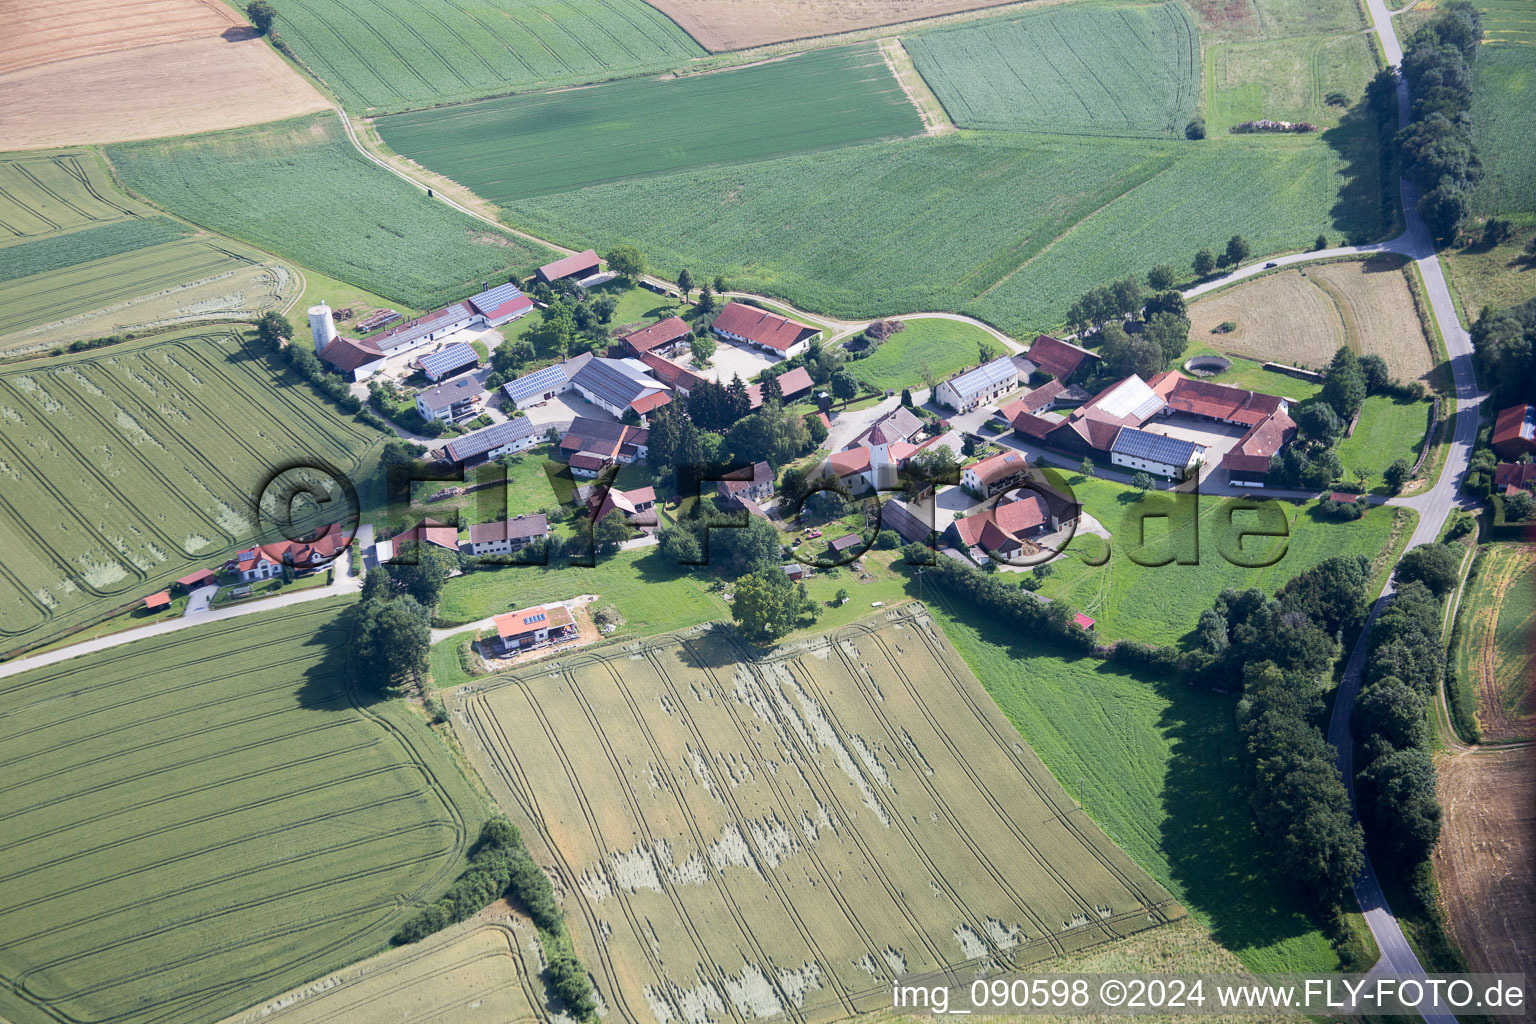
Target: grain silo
(322,326)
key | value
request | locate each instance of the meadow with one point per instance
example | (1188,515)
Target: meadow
(52,193)
(202,820)
(1075,69)
(533,144)
(1287,79)
(944,347)
(125,467)
(1389,429)
(788,832)
(1010,228)
(1504,108)
(1494,649)
(1162,604)
(1154,764)
(298,189)
(395,54)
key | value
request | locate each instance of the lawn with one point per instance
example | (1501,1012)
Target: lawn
(1389,429)
(1154,762)
(1246,373)
(945,347)
(1162,604)
(1011,228)
(396,54)
(197,822)
(126,467)
(1076,69)
(1504,108)
(534,144)
(299,189)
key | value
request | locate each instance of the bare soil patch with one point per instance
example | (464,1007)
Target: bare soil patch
(40,33)
(740,24)
(175,88)
(1486,860)
(1302,316)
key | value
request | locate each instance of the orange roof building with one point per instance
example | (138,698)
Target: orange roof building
(534,627)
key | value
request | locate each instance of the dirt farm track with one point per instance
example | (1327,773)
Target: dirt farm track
(86,71)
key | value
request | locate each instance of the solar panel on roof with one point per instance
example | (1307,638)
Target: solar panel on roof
(986,375)
(530,620)
(494,436)
(496,296)
(551,378)
(1142,444)
(438,363)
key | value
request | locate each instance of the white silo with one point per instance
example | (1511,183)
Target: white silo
(322,326)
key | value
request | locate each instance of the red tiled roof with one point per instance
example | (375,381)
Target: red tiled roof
(1097,431)
(347,355)
(1218,401)
(998,528)
(518,303)
(1042,396)
(1252,452)
(1509,476)
(663,333)
(299,554)
(1510,428)
(997,466)
(1058,358)
(1344,497)
(795,382)
(530,620)
(154,602)
(854,460)
(1027,513)
(670,373)
(761,326)
(581,460)
(1030,425)
(650,403)
(192,579)
(1082,620)
(430,531)
(569,265)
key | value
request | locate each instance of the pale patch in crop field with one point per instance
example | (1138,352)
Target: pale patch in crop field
(62,29)
(297,188)
(1074,69)
(482,971)
(202,820)
(195,85)
(786,917)
(395,55)
(119,456)
(532,144)
(733,25)
(1302,317)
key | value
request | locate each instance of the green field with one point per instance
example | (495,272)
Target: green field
(1154,762)
(297,188)
(534,144)
(1285,79)
(1504,107)
(1161,605)
(1494,653)
(398,54)
(197,822)
(60,251)
(1389,429)
(47,194)
(1076,69)
(1011,228)
(126,467)
(945,346)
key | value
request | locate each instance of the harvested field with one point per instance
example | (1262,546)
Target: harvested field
(125,467)
(188,280)
(733,25)
(1496,649)
(61,29)
(129,94)
(50,194)
(483,971)
(1486,859)
(741,835)
(202,820)
(1301,317)
(1076,69)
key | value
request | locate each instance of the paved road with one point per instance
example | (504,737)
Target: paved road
(345,583)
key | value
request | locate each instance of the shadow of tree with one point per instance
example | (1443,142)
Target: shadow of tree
(332,684)
(1366,208)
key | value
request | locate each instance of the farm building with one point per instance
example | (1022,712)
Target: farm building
(579,267)
(158,602)
(449,361)
(664,338)
(1003,531)
(357,360)
(638,506)
(505,536)
(796,571)
(426,328)
(1082,621)
(193,580)
(1247,463)
(752,483)
(792,384)
(678,378)
(978,386)
(900,424)
(1061,359)
(995,474)
(1153,453)
(537,387)
(265,561)
(764,330)
(429,531)
(847,542)
(515,435)
(618,386)
(500,305)
(451,400)
(1267,418)
(1510,477)
(590,446)
(1091,428)
(533,627)
(1514,432)
(1053,394)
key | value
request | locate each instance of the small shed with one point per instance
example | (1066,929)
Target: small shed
(1082,620)
(193,580)
(158,602)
